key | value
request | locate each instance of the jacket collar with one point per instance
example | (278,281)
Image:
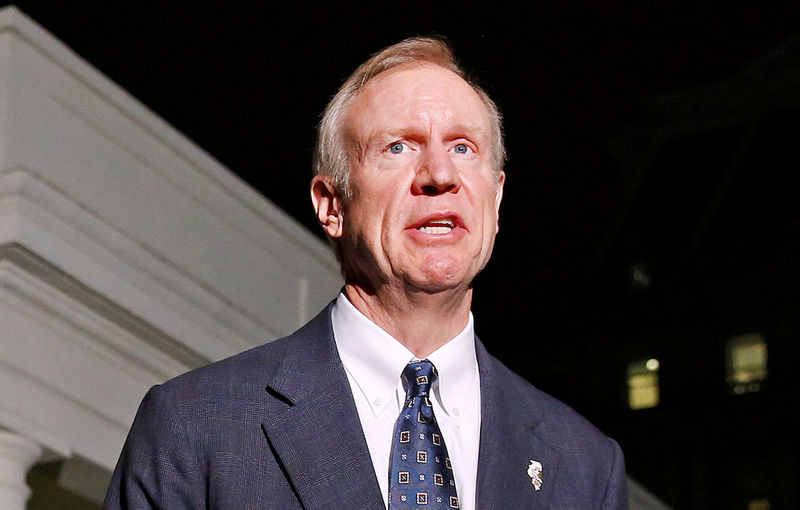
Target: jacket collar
(312,424)
(510,441)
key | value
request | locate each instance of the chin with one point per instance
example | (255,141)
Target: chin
(443,275)
(431,287)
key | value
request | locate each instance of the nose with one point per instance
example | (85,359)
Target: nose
(436,174)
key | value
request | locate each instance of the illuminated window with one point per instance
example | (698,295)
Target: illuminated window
(643,384)
(747,363)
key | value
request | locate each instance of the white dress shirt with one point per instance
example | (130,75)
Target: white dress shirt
(374,360)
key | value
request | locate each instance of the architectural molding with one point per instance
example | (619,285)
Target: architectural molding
(640,498)
(128,255)
(72,364)
(17,455)
(149,195)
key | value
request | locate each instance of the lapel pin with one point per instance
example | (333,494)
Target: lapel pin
(535,472)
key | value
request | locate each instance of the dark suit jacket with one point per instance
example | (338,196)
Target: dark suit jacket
(276,427)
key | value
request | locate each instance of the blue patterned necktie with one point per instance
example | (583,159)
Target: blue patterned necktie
(422,476)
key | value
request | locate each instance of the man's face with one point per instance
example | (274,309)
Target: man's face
(424,210)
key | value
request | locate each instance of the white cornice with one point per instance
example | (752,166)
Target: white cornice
(15,21)
(72,364)
(40,219)
(120,200)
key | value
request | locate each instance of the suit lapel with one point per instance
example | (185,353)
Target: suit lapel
(312,425)
(509,442)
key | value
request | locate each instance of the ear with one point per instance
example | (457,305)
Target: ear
(327,205)
(498,197)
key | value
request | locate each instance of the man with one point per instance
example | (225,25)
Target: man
(386,398)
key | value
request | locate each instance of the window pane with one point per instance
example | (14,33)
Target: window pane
(759,504)
(643,384)
(747,362)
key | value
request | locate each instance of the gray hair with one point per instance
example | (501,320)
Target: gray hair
(331,154)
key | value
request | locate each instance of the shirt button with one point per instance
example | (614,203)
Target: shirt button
(378,401)
(456,412)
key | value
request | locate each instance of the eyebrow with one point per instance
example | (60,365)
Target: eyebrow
(470,131)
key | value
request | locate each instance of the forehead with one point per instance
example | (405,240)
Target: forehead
(418,97)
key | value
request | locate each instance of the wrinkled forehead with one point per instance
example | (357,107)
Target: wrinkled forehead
(420,97)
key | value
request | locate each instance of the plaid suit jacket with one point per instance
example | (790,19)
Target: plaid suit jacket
(276,428)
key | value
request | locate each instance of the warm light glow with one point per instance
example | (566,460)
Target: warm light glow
(746,357)
(643,389)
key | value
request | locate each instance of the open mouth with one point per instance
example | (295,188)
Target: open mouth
(437,227)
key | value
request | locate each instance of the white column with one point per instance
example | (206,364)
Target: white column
(17,455)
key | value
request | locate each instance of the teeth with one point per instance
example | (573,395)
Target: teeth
(435,230)
(440,226)
(445,222)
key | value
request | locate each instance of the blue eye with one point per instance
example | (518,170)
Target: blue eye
(397,148)
(461,148)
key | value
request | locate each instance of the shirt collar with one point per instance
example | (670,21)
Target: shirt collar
(374,359)
(457,365)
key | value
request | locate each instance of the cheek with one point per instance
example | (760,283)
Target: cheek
(372,224)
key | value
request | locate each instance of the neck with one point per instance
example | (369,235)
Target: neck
(421,321)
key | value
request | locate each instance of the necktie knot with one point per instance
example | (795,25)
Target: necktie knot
(418,377)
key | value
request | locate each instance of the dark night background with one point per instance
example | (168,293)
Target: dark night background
(650,138)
